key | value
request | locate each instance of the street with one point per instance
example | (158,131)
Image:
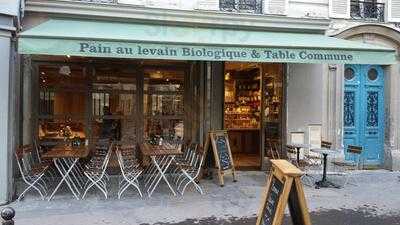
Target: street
(373,200)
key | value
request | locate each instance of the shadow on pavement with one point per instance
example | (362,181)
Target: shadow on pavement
(361,216)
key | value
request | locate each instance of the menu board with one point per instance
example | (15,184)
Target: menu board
(284,188)
(222,153)
(274,193)
(294,206)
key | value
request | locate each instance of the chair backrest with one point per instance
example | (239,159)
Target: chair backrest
(290,149)
(121,161)
(106,159)
(22,155)
(356,152)
(193,149)
(198,159)
(353,149)
(326,144)
(38,150)
(127,150)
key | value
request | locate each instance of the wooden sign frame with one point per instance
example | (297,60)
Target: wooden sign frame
(290,192)
(211,138)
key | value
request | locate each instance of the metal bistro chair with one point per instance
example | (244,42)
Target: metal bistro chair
(326,144)
(130,169)
(312,164)
(349,167)
(38,150)
(32,175)
(314,160)
(95,171)
(292,154)
(190,172)
(185,159)
(273,147)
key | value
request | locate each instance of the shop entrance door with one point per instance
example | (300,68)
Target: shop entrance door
(363,120)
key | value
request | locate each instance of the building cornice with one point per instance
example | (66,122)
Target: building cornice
(126,13)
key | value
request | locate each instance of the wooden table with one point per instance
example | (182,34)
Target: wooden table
(161,158)
(66,161)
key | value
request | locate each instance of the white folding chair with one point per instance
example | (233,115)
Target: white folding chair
(311,164)
(185,159)
(348,168)
(95,172)
(131,171)
(291,154)
(32,175)
(190,173)
(38,150)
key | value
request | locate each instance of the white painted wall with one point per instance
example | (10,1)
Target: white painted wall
(304,97)
(294,8)
(9,7)
(308,8)
(5,168)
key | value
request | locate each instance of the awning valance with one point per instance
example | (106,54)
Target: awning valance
(149,41)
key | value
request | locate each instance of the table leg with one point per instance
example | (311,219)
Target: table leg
(153,170)
(324,182)
(324,171)
(65,177)
(298,156)
(74,178)
(161,174)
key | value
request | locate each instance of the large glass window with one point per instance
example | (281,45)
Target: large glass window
(163,104)
(113,97)
(62,103)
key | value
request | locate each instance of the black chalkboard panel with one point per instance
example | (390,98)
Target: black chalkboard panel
(294,206)
(274,193)
(223,152)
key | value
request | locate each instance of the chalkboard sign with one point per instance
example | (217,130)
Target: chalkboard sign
(284,186)
(222,153)
(275,192)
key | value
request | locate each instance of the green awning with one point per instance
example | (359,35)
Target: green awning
(149,41)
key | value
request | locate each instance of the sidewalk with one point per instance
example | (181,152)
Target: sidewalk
(376,195)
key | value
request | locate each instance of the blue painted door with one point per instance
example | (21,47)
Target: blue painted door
(363,117)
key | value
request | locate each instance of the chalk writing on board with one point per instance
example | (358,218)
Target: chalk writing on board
(272,201)
(223,153)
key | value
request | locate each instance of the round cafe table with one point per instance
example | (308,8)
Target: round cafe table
(324,181)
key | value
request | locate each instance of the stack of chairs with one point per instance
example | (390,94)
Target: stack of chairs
(95,169)
(348,168)
(188,168)
(292,154)
(33,174)
(130,168)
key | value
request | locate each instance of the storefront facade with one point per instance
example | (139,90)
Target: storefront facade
(160,75)
(162,62)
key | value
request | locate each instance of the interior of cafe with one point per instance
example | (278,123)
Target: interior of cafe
(84,100)
(253,111)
